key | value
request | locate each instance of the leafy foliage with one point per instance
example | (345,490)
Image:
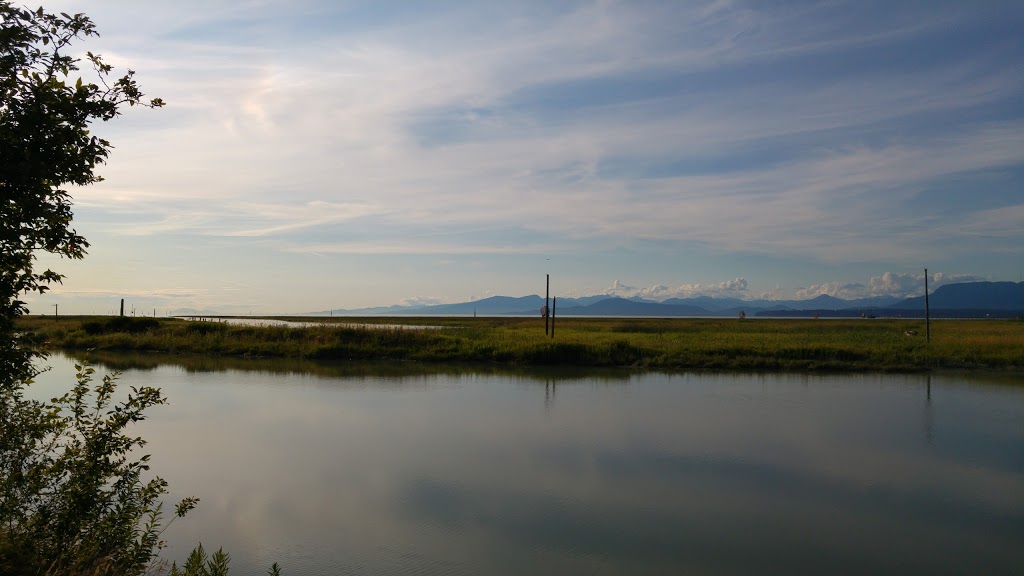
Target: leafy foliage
(120,324)
(46,110)
(73,499)
(76,498)
(77,502)
(198,564)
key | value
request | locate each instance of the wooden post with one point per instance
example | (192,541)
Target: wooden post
(122,306)
(927,312)
(547,294)
(554,304)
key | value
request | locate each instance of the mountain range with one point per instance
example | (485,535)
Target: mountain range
(968,299)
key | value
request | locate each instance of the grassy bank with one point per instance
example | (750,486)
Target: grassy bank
(678,343)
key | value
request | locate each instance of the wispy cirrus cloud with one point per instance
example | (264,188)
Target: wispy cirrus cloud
(370,89)
(239,219)
(417,247)
(827,133)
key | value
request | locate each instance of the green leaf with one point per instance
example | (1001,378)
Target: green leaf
(72,500)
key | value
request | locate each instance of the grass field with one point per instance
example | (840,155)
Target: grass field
(676,343)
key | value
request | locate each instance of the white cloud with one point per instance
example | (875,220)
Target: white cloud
(415,245)
(220,218)
(894,284)
(775,293)
(259,138)
(107,300)
(486,294)
(158,293)
(1005,222)
(939,279)
(618,288)
(845,290)
(421,301)
(726,289)
(313,140)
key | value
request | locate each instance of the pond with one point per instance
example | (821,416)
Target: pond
(390,469)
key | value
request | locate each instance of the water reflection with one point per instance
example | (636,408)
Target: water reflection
(384,469)
(148,361)
(928,410)
(318,323)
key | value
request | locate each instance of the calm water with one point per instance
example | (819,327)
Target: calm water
(392,470)
(310,324)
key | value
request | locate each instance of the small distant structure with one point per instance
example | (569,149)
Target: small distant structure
(816,314)
(743,315)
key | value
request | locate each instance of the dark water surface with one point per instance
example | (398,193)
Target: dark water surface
(404,470)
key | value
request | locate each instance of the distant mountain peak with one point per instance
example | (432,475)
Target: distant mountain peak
(964,296)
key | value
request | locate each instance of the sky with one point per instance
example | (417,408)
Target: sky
(318,154)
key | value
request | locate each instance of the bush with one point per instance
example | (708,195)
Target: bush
(121,324)
(199,564)
(204,328)
(74,500)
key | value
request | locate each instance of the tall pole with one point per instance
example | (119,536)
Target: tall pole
(547,295)
(554,304)
(122,306)
(55,313)
(927,312)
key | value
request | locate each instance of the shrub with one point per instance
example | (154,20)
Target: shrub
(120,324)
(204,328)
(74,500)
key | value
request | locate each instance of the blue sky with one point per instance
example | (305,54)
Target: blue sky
(318,154)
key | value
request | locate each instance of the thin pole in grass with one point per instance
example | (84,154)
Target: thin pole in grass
(554,304)
(547,297)
(927,312)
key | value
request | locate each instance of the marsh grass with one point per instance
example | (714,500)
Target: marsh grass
(677,343)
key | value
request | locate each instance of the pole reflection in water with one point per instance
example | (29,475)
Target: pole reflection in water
(928,425)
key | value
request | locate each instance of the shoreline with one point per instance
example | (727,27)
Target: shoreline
(667,344)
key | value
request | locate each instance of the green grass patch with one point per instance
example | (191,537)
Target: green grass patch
(675,344)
